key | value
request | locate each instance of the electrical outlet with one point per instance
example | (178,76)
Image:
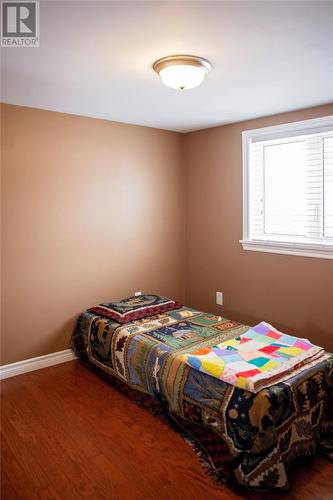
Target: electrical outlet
(219,298)
(137,293)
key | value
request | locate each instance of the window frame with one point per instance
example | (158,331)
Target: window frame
(316,125)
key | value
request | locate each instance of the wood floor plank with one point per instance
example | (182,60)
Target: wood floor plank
(68,434)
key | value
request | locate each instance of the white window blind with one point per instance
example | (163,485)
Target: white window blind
(288,188)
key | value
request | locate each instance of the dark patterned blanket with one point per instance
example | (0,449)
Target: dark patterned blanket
(264,432)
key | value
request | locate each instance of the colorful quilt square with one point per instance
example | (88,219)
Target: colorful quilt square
(238,366)
(248,373)
(264,339)
(274,335)
(303,344)
(247,356)
(269,349)
(291,351)
(262,328)
(269,365)
(252,345)
(259,361)
(287,339)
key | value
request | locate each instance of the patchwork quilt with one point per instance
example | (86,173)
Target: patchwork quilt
(257,358)
(263,431)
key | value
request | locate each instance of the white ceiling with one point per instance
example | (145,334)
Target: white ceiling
(95,59)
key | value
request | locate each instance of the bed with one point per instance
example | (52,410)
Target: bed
(257,435)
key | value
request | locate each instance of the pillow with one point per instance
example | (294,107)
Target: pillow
(141,306)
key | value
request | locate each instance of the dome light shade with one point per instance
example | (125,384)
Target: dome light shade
(182,72)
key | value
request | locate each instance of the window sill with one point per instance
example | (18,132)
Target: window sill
(301,249)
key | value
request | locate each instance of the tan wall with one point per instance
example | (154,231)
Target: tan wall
(92,211)
(293,293)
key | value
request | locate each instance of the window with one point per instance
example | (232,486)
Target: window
(288,188)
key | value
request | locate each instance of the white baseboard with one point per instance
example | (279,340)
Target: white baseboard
(29,365)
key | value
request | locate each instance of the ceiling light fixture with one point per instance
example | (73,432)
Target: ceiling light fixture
(182,72)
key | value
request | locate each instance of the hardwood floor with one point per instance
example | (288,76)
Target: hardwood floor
(67,434)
